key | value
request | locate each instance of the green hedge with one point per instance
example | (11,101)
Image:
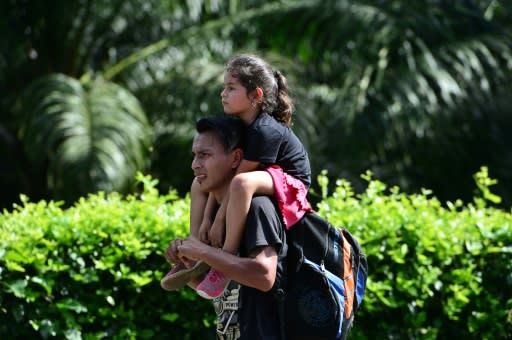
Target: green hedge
(92,271)
(435,272)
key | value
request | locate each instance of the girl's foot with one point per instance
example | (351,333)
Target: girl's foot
(213,285)
(175,269)
(180,275)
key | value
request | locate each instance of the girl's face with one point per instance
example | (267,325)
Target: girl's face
(235,99)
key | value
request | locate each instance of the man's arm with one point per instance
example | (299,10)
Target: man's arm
(258,270)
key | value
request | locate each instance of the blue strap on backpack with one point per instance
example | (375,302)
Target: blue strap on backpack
(325,281)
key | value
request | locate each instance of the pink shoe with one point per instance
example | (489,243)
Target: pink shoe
(180,275)
(175,269)
(213,285)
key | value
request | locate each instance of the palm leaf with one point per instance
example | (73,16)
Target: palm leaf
(93,136)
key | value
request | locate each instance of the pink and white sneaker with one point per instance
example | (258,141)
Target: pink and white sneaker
(175,269)
(180,275)
(213,285)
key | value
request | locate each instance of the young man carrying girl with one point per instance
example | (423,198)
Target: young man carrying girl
(275,164)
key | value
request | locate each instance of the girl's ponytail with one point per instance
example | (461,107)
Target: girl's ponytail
(284,109)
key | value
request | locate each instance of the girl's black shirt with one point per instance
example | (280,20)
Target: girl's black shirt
(270,142)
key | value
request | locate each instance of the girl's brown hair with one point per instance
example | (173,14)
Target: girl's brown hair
(253,72)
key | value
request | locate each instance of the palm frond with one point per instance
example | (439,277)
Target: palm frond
(94,136)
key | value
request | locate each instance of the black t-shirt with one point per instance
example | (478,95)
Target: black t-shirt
(258,311)
(270,142)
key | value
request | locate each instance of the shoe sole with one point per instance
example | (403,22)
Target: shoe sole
(181,278)
(206,296)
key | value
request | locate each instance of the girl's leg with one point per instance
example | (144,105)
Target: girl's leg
(242,189)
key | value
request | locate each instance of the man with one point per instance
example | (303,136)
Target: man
(218,150)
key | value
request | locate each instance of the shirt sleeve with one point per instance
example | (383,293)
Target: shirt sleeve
(263,226)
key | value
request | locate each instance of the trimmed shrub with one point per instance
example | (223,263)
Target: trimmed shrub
(435,272)
(92,271)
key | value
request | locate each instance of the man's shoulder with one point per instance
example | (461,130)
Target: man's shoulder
(264,209)
(263,202)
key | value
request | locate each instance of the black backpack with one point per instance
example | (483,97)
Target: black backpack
(324,282)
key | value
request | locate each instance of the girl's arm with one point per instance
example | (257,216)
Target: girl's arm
(217,231)
(198,202)
(206,223)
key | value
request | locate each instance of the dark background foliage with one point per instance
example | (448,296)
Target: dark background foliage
(416,92)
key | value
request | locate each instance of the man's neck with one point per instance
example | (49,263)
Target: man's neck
(220,194)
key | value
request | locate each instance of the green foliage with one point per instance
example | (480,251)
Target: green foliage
(418,93)
(92,270)
(435,271)
(94,135)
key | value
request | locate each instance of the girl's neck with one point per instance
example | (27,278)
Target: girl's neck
(249,116)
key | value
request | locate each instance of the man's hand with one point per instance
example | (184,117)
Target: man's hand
(217,232)
(172,254)
(190,249)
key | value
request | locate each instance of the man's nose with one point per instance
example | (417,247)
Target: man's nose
(195,164)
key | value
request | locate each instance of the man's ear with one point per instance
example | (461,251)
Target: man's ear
(238,156)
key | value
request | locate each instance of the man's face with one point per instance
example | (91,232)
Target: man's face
(213,166)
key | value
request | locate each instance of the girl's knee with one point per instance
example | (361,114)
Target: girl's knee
(242,183)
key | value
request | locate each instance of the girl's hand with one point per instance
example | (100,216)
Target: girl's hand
(204,230)
(217,233)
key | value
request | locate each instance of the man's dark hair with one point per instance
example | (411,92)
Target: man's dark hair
(230,130)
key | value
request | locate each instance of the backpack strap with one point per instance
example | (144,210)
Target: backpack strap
(280,296)
(359,265)
(348,276)
(279,289)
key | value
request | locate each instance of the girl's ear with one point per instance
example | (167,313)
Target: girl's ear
(257,94)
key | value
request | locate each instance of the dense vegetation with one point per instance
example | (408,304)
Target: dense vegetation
(92,270)
(95,90)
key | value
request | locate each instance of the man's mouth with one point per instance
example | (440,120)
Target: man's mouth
(200,178)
